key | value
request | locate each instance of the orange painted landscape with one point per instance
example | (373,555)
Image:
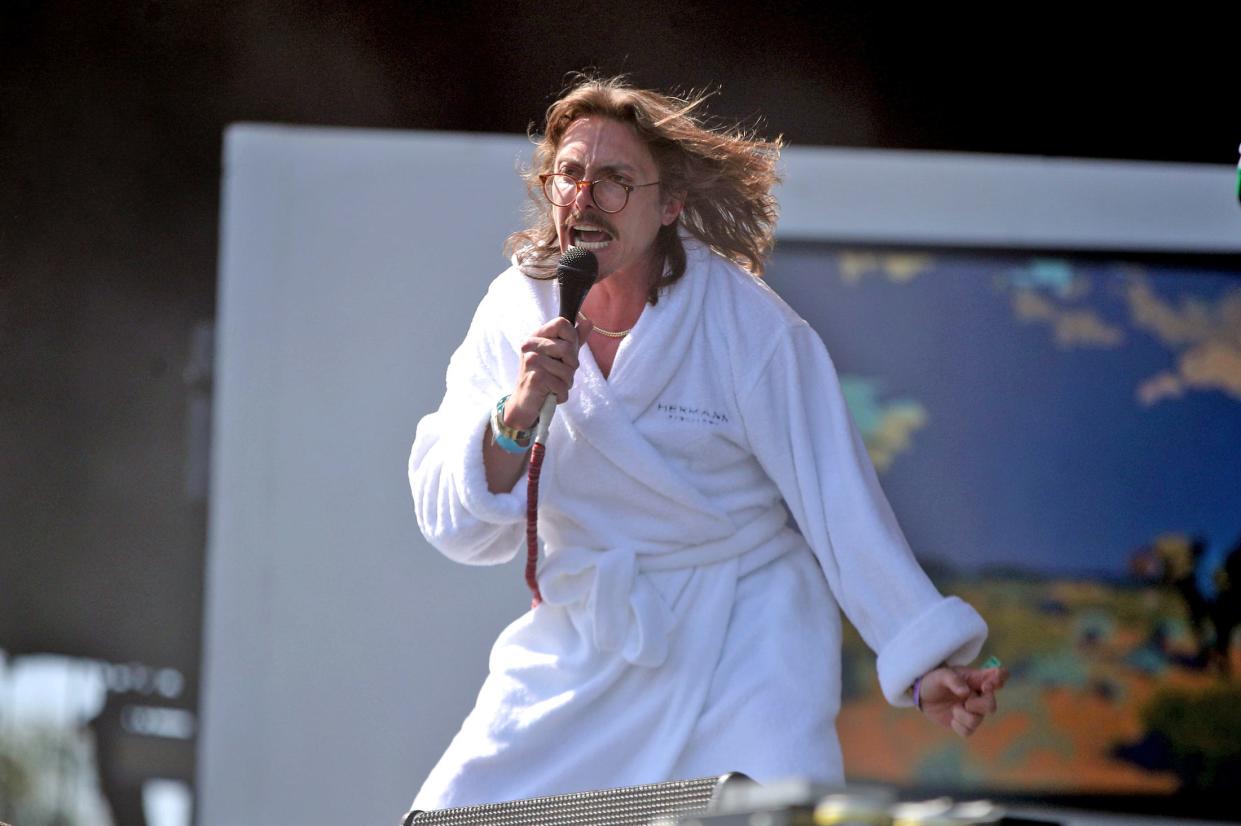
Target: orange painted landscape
(1106,697)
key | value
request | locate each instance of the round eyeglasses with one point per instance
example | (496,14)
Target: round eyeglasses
(609,196)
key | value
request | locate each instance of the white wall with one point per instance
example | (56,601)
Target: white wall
(341,651)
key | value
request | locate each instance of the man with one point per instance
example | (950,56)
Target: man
(685,629)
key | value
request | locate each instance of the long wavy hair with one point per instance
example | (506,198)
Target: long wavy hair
(723,174)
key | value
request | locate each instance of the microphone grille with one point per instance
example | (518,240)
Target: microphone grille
(578,264)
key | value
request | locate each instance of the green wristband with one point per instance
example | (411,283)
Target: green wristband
(509,439)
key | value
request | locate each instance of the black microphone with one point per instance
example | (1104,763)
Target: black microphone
(575,275)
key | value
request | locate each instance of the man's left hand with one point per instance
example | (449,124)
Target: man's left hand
(960,698)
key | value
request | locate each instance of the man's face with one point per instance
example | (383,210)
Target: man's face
(598,147)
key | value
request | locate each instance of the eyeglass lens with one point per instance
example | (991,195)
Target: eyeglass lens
(609,196)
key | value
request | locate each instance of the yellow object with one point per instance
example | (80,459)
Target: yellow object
(851,810)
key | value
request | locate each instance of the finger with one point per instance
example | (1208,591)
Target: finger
(584,328)
(974,677)
(553,386)
(552,348)
(988,679)
(956,683)
(556,371)
(960,729)
(981,703)
(981,679)
(535,363)
(564,351)
(560,328)
(966,718)
(543,376)
(943,686)
(536,343)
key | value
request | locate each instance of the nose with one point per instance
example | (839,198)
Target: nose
(584,196)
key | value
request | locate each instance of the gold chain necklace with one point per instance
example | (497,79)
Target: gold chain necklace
(608,333)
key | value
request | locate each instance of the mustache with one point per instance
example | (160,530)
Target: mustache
(594,219)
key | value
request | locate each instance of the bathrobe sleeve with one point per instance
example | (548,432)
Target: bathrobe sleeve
(801,433)
(455,510)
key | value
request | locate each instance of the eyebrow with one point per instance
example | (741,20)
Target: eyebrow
(622,168)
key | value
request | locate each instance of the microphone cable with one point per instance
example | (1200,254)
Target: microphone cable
(575,275)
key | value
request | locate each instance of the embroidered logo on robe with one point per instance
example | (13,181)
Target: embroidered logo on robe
(693,415)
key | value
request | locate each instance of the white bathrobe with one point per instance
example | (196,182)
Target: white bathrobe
(687,629)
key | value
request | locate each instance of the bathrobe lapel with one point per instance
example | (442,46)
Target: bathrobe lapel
(602,411)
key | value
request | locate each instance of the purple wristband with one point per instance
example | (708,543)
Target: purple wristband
(918,693)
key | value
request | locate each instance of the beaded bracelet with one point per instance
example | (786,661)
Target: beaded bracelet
(508,438)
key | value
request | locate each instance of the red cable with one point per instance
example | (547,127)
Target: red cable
(532,523)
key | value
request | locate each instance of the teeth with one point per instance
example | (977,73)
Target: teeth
(580,242)
(590,228)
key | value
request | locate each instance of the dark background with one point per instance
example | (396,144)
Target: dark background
(111,117)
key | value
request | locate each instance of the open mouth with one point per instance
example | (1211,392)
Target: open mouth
(590,237)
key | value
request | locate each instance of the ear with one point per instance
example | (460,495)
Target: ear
(672,209)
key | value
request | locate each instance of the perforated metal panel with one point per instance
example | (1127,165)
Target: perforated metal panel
(628,806)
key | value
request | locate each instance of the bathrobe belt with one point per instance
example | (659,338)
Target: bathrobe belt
(624,610)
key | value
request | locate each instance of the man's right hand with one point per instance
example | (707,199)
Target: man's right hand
(548,362)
